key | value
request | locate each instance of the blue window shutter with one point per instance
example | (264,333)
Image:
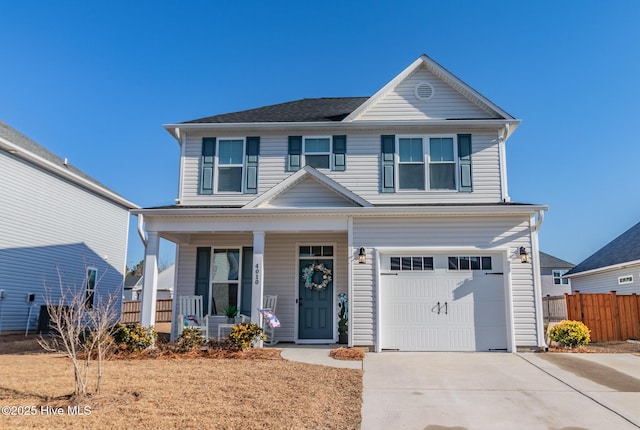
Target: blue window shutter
(207,165)
(251,165)
(387,174)
(203,265)
(464,163)
(295,153)
(340,153)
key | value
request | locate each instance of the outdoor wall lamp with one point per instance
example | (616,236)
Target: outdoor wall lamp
(362,255)
(523,255)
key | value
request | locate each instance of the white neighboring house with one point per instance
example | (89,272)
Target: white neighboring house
(399,200)
(55,221)
(552,270)
(165,285)
(614,267)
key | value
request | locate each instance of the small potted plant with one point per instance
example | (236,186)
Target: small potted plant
(231,312)
(343,319)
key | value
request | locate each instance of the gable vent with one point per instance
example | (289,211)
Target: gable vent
(424,91)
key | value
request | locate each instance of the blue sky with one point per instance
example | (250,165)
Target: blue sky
(94,82)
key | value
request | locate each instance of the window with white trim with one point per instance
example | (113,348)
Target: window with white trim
(225,280)
(417,263)
(470,263)
(410,163)
(90,286)
(317,152)
(230,163)
(625,280)
(558,279)
(431,166)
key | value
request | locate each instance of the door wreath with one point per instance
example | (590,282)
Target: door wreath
(309,276)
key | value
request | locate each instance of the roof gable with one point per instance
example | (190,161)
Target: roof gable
(623,249)
(451,97)
(308,188)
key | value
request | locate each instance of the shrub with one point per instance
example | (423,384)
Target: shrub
(244,334)
(190,339)
(134,336)
(570,333)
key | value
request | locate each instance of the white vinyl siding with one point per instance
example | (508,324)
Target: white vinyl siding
(363,174)
(402,104)
(51,225)
(441,233)
(607,281)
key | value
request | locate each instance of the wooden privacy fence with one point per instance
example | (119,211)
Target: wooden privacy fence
(608,316)
(554,309)
(131,311)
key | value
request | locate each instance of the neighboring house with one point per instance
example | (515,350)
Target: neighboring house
(552,270)
(60,228)
(165,285)
(399,200)
(131,282)
(615,267)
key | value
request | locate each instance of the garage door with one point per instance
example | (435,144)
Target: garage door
(449,302)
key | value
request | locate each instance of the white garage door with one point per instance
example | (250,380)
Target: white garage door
(451,302)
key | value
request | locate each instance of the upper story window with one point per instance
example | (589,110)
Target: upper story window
(229,165)
(317,152)
(320,152)
(90,286)
(420,163)
(557,277)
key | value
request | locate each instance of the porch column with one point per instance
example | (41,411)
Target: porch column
(150,281)
(257,275)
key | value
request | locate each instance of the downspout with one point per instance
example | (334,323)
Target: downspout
(537,282)
(143,237)
(503,135)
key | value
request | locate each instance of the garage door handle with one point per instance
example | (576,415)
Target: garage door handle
(389,274)
(446,306)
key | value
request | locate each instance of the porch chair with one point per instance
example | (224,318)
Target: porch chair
(270,302)
(191,315)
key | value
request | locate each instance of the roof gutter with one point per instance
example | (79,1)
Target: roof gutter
(602,269)
(63,172)
(511,124)
(356,211)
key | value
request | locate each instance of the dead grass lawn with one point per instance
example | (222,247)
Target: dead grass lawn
(185,393)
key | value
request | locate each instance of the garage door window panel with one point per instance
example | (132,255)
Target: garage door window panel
(470,263)
(417,263)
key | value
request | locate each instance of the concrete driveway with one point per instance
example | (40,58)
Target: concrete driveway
(501,391)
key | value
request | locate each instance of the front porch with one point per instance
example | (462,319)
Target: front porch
(239,268)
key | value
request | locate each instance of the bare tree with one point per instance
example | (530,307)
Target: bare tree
(81,330)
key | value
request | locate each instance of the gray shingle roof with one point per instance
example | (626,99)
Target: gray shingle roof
(551,262)
(305,110)
(623,249)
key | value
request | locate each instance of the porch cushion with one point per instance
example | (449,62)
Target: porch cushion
(191,321)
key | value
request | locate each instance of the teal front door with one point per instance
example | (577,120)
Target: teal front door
(315,299)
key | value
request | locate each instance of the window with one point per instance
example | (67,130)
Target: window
(90,283)
(625,280)
(418,163)
(410,164)
(317,152)
(411,263)
(230,163)
(557,277)
(469,263)
(225,282)
(442,167)
(316,251)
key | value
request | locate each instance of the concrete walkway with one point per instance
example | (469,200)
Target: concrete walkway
(498,391)
(315,354)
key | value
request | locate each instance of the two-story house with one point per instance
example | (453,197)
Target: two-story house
(61,232)
(399,200)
